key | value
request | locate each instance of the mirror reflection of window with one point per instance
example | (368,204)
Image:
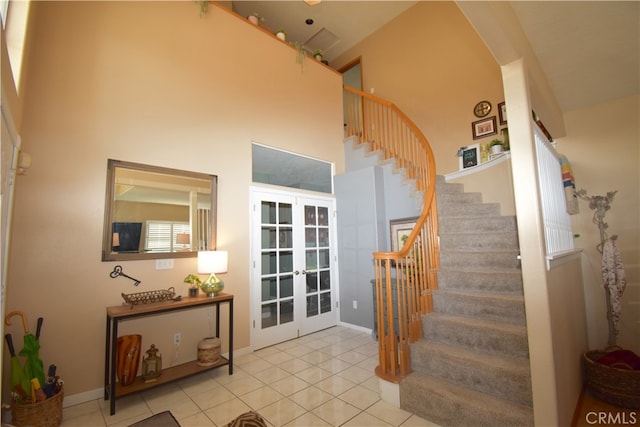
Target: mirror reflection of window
(148,207)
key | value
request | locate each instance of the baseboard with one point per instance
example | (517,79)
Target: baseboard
(356,327)
(78,398)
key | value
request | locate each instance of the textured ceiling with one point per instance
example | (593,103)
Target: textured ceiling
(589,50)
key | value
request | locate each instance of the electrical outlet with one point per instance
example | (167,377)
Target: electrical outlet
(177,337)
(355,304)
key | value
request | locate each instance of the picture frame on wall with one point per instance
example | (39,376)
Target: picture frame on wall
(502,113)
(484,127)
(400,229)
(469,156)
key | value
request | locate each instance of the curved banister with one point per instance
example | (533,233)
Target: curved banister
(404,279)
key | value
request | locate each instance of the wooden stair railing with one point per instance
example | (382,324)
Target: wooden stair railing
(413,270)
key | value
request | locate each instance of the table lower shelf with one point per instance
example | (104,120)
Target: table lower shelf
(168,375)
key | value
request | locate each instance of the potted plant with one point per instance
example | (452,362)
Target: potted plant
(301,54)
(255,18)
(281,34)
(204,6)
(496,146)
(194,284)
(318,54)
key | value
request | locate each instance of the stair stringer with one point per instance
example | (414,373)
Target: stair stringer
(376,158)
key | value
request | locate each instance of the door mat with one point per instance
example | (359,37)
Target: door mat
(162,419)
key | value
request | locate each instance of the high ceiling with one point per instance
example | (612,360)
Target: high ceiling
(589,50)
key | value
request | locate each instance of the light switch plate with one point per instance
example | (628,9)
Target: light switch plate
(164,264)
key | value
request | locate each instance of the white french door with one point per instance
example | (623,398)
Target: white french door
(294,266)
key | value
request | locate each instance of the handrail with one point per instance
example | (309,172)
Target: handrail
(412,271)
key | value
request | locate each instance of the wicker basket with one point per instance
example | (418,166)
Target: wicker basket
(47,413)
(620,387)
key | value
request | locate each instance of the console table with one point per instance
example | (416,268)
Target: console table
(119,313)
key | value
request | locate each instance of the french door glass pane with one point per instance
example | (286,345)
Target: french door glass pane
(286,311)
(286,238)
(325,280)
(312,282)
(323,216)
(325,302)
(312,305)
(286,286)
(269,315)
(323,237)
(309,215)
(268,212)
(310,237)
(286,213)
(268,237)
(286,262)
(324,258)
(269,263)
(311,260)
(269,289)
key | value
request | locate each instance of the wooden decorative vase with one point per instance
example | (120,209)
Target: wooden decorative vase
(128,358)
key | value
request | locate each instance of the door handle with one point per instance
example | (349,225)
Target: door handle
(296,272)
(304,272)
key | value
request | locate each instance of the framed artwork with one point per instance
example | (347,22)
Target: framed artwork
(469,156)
(484,127)
(502,113)
(400,230)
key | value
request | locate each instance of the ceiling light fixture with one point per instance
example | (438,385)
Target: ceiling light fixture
(312,2)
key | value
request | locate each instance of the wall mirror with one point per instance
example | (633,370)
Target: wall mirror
(153,212)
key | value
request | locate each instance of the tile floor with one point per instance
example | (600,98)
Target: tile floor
(323,379)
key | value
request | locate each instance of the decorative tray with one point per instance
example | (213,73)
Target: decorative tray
(150,296)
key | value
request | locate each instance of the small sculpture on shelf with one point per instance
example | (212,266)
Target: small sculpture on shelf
(152,364)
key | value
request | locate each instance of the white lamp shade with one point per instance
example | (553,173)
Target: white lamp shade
(212,262)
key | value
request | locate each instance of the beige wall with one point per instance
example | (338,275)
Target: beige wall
(435,68)
(602,146)
(568,334)
(150,83)
(493,181)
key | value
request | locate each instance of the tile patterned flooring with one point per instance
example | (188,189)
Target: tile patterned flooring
(323,379)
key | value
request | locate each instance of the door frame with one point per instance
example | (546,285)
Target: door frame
(333,230)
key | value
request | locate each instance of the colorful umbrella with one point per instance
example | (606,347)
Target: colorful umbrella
(20,384)
(33,367)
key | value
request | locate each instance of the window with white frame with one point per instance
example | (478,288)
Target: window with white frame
(161,236)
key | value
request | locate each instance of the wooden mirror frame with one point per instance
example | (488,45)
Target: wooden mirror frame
(109,212)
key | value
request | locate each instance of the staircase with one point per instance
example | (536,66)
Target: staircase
(472,366)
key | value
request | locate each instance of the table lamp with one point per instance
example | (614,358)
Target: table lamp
(183,239)
(212,262)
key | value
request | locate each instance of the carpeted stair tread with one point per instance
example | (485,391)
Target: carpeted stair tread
(501,376)
(459,198)
(480,305)
(479,240)
(472,223)
(507,281)
(469,209)
(447,404)
(483,258)
(479,334)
